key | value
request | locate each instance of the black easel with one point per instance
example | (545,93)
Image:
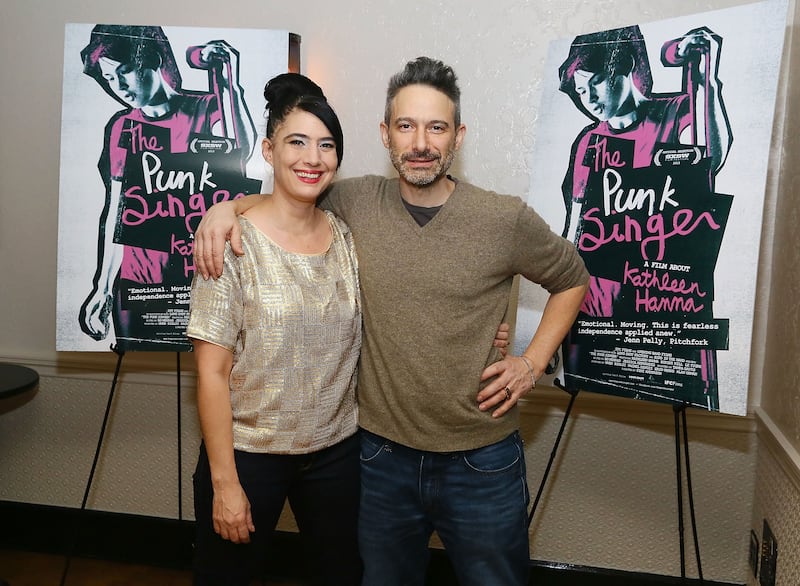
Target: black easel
(573,393)
(180,453)
(74,538)
(679,411)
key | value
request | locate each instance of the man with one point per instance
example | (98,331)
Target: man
(437,403)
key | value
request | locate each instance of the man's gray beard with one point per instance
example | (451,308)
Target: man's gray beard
(423,178)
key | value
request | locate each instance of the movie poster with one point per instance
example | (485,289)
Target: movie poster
(158,124)
(651,156)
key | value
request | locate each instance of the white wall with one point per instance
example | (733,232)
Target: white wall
(349,47)
(612,500)
(777,494)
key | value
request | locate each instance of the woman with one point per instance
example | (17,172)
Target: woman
(277,339)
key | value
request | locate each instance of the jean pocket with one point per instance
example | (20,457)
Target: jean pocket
(371,446)
(495,458)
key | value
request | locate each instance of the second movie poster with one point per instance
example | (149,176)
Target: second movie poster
(651,156)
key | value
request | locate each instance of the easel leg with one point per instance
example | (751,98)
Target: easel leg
(180,459)
(573,394)
(679,483)
(70,552)
(679,412)
(691,495)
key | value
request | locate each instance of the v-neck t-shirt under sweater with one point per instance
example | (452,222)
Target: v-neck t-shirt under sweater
(432,299)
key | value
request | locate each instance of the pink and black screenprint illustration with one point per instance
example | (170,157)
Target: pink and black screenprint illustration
(168,151)
(650,137)
(640,206)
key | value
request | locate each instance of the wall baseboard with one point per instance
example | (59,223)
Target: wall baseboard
(168,543)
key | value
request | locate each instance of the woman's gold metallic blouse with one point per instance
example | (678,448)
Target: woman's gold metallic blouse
(293,323)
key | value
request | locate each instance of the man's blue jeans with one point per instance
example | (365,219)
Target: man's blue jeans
(475,500)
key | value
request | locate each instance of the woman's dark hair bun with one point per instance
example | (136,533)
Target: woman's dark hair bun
(286,88)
